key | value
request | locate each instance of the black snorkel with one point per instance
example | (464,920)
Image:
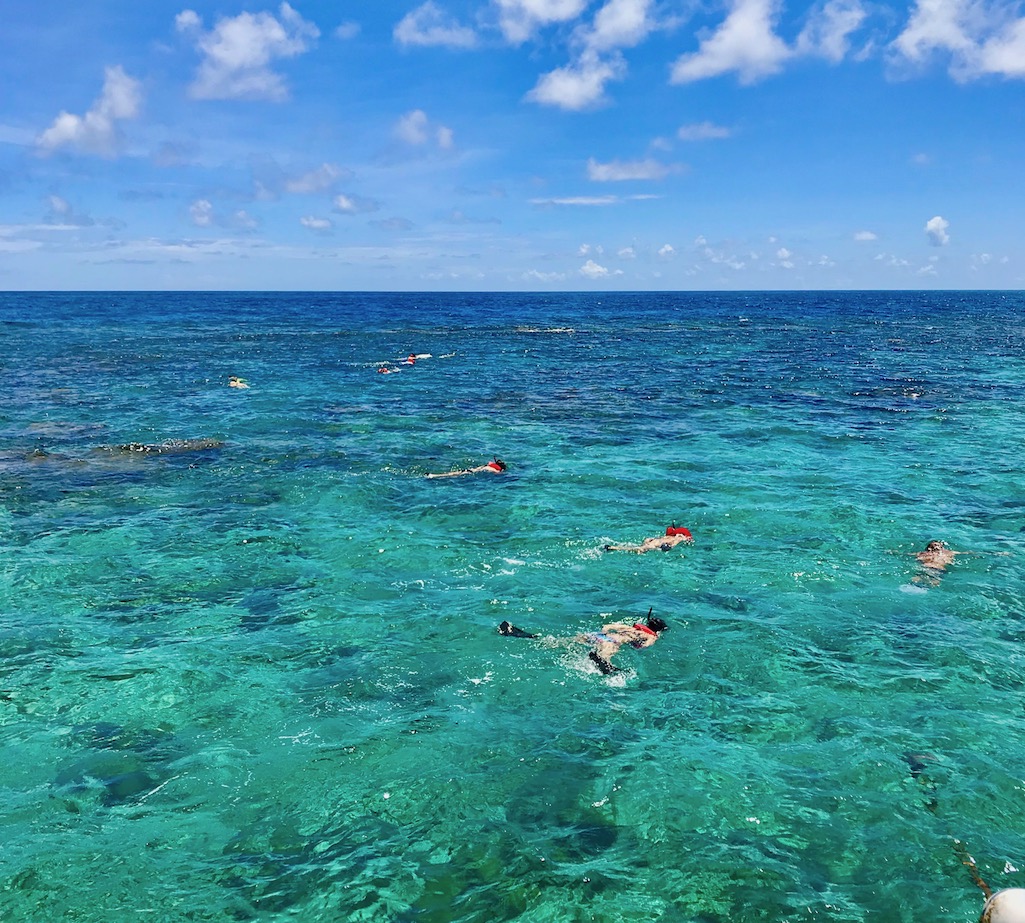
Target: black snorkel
(655,624)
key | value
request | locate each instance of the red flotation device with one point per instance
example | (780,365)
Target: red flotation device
(680,530)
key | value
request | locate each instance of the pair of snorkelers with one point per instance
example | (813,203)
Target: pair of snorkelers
(386,368)
(607,642)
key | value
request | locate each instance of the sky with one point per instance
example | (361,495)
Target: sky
(512,145)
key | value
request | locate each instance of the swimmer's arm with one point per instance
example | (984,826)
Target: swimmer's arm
(618,626)
(450,474)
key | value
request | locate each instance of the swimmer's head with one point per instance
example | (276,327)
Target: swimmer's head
(1006,906)
(498,464)
(656,624)
(935,546)
(674,529)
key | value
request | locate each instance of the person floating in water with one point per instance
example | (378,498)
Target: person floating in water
(497,466)
(936,558)
(605,644)
(674,536)
(235,382)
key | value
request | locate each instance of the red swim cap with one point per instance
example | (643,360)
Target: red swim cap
(680,530)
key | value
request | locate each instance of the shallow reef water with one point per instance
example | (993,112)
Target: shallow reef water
(249,666)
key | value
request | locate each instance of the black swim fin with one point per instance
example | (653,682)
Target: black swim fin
(507,628)
(602,663)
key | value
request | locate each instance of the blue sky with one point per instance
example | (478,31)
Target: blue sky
(512,145)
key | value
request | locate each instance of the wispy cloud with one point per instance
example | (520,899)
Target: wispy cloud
(238,52)
(428,26)
(980,38)
(577,200)
(703,131)
(415,129)
(319,180)
(519,20)
(97,131)
(828,29)
(316,224)
(622,170)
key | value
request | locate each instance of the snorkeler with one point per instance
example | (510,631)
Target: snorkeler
(674,536)
(936,558)
(235,382)
(607,642)
(497,466)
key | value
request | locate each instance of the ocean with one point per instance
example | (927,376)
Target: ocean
(250,665)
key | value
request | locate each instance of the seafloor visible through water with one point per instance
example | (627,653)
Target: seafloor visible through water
(258,677)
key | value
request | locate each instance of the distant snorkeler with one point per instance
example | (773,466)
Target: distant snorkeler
(1004,906)
(936,557)
(607,642)
(674,536)
(235,382)
(496,466)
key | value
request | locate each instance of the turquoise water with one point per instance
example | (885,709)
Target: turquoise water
(262,681)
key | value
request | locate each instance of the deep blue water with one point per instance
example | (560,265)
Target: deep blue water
(261,680)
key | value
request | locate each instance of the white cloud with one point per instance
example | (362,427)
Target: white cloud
(578,200)
(627,253)
(578,86)
(187,21)
(666,250)
(242,219)
(865,235)
(980,38)
(536,276)
(936,230)
(619,24)
(319,180)
(346,31)
(783,254)
(1004,54)
(581,83)
(935,24)
(428,26)
(316,224)
(745,43)
(619,170)
(238,52)
(202,213)
(63,215)
(353,205)
(827,32)
(593,271)
(520,19)
(414,128)
(703,131)
(97,132)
